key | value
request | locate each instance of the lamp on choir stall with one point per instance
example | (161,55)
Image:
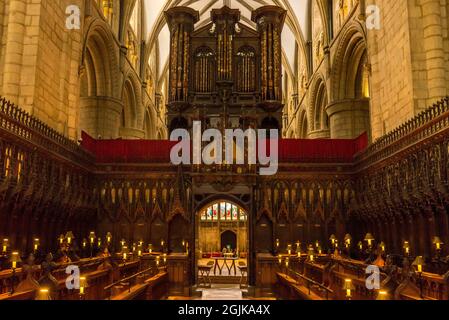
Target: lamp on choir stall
(158,259)
(61,239)
(134,247)
(419,263)
(348,287)
(141,242)
(123,242)
(278,244)
(348,241)
(438,243)
(164,257)
(289,249)
(43,295)
(36,243)
(311,253)
(320,251)
(317,244)
(139,250)
(5,245)
(162,244)
(369,239)
(92,237)
(183,243)
(83,285)
(84,243)
(287,260)
(382,247)
(99,242)
(69,237)
(108,238)
(382,295)
(125,253)
(15,260)
(150,248)
(280,259)
(406,247)
(92,240)
(333,239)
(360,245)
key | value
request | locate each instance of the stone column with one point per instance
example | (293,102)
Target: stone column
(434,49)
(349,118)
(15,33)
(100,116)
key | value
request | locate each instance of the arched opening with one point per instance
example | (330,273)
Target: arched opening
(100,111)
(319,103)
(222,240)
(349,114)
(303,128)
(178,233)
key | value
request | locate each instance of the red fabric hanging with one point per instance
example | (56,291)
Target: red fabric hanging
(158,151)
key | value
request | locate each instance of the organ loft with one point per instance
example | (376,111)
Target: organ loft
(87,179)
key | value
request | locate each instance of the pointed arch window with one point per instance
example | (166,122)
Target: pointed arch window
(223,211)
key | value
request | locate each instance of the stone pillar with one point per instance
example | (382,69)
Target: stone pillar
(181,21)
(270,22)
(349,118)
(14,49)
(101,116)
(434,49)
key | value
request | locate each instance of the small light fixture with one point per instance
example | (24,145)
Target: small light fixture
(419,263)
(317,244)
(92,237)
(5,245)
(36,243)
(158,259)
(438,243)
(162,243)
(369,239)
(61,238)
(280,259)
(278,244)
(99,242)
(360,245)
(43,295)
(320,250)
(406,247)
(382,247)
(109,238)
(333,239)
(289,249)
(348,287)
(84,243)
(165,258)
(69,237)
(139,250)
(150,248)
(123,242)
(382,295)
(141,242)
(15,260)
(125,253)
(287,260)
(348,240)
(311,253)
(83,285)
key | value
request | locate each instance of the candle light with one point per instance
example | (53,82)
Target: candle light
(92,237)
(15,258)
(36,244)
(109,237)
(84,243)
(165,258)
(369,239)
(407,247)
(69,236)
(61,239)
(289,249)
(286,262)
(82,285)
(280,259)
(5,245)
(348,286)
(158,258)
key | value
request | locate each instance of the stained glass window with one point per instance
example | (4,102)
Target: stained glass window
(223,211)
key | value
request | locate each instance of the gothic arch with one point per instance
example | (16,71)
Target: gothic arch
(318,104)
(350,55)
(132,84)
(303,125)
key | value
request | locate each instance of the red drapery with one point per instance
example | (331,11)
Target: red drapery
(290,150)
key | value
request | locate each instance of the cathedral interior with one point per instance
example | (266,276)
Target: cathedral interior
(92,90)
